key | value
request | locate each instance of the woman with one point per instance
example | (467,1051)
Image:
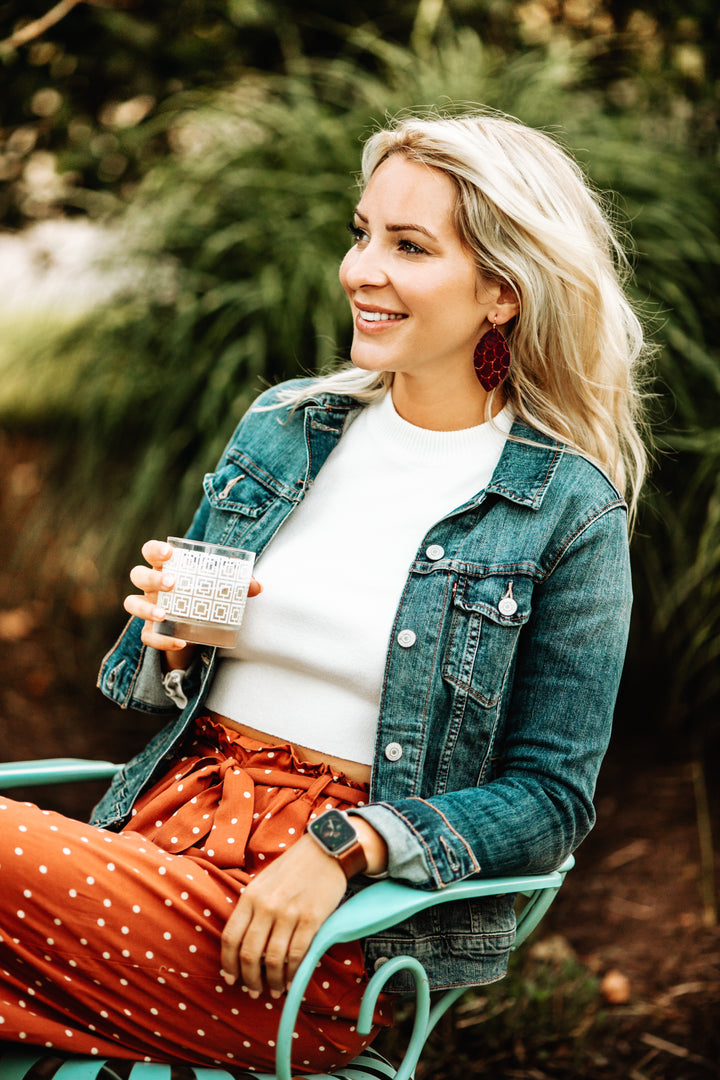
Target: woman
(436,649)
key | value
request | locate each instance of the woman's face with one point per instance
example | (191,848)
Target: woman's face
(418,304)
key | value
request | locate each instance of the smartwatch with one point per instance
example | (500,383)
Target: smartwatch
(337,836)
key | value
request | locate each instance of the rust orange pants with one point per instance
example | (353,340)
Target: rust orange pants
(110,942)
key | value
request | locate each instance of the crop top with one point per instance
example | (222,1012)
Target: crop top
(309,664)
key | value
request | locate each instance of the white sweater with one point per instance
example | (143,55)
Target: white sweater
(309,664)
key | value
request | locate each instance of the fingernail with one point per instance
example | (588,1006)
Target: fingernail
(167,580)
(276,994)
(229,979)
(254,994)
(159,614)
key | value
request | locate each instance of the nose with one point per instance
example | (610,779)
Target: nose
(363,265)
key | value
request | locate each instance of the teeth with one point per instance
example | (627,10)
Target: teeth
(378,316)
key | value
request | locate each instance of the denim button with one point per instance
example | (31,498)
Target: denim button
(407,638)
(393,751)
(508,604)
(435,552)
(379,962)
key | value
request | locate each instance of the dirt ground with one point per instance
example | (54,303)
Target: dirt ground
(633,912)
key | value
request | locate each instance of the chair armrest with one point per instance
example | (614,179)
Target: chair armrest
(54,771)
(384,904)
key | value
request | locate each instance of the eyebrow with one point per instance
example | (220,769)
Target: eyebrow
(401,228)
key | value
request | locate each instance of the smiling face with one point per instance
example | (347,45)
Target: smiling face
(418,304)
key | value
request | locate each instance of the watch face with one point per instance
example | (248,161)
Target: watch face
(333,831)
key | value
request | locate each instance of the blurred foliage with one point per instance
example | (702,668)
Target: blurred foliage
(82,105)
(547,1011)
(231,208)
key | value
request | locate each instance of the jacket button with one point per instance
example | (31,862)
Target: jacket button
(379,962)
(407,638)
(435,552)
(393,751)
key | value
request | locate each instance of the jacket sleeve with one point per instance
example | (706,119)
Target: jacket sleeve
(131,673)
(538,807)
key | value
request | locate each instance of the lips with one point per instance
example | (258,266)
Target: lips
(374,318)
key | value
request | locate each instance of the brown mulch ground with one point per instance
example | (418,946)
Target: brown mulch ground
(631,913)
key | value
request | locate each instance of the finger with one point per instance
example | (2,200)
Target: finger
(232,937)
(255,587)
(299,945)
(156,552)
(276,957)
(151,581)
(144,607)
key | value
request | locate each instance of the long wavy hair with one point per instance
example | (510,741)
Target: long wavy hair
(531,221)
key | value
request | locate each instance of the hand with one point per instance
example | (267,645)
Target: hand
(278,915)
(153,579)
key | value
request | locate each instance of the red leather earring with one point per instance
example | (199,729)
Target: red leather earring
(491,359)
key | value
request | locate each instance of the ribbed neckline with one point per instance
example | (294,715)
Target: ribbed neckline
(436,447)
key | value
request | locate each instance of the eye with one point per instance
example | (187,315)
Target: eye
(356,232)
(409,248)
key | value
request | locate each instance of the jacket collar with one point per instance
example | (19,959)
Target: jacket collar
(526,466)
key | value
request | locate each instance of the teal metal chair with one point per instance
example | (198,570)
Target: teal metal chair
(375,908)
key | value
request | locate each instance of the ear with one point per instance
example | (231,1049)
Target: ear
(507,306)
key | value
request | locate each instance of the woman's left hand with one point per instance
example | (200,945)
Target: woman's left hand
(278,915)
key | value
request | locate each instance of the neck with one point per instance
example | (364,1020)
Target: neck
(442,407)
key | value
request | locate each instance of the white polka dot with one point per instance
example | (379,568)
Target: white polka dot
(136,909)
(43,869)
(149,954)
(27,893)
(291,831)
(193,948)
(162,870)
(111,866)
(72,892)
(167,936)
(182,1005)
(90,880)
(22,828)
(107,903)
(101,922)
(66,851)
(19,851)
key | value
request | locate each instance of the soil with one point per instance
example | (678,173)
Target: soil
(637,911)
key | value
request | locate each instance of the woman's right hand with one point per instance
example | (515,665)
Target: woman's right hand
(153,579)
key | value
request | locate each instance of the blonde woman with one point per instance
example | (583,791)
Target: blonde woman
(427,672)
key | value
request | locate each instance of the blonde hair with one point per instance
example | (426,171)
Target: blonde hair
(526,212)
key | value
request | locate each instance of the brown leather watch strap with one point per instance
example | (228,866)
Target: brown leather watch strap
(352,860)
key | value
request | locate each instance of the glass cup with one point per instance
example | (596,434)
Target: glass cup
(207,602)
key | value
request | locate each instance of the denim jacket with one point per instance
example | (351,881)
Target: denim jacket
(500,680)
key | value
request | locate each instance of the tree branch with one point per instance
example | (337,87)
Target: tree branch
(37,27)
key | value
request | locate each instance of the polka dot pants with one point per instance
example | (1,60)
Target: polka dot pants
(110,942)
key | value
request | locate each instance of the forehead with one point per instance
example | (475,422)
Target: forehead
(408,192)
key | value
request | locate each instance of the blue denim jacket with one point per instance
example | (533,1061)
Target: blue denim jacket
(494,717)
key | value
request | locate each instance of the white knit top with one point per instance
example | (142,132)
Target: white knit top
(309,664)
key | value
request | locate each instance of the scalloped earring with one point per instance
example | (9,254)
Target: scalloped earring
(491,359)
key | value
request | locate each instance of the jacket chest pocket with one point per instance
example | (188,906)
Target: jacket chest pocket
(237,500)
(487,616)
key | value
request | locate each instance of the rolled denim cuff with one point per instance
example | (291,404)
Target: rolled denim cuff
(408,857)
(149,686)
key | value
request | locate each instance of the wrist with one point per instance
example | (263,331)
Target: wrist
(374,846)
